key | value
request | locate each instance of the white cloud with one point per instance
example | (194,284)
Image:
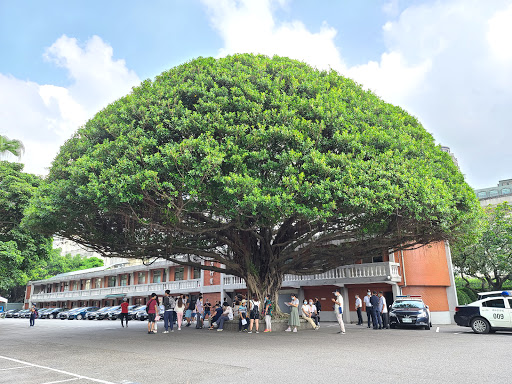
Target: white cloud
(250,26)
(447,62)
(43,116)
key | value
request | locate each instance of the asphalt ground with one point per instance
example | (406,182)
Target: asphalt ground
(71,351)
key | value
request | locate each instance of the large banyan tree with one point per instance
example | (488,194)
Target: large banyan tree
(264,165)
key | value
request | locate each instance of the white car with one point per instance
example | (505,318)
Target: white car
(494,313)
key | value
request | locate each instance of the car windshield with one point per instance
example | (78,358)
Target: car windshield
(408,304)
(104,309)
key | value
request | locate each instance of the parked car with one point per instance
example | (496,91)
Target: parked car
(142,315)
(486,315)
(81,313)
(93,315)
(106,315)
(485,295)
(64,315)
(409,311)
(114,315)
(20,314)
(52,313)
(11,312)
(132,314)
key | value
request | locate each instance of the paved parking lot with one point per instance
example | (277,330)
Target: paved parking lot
(62,351)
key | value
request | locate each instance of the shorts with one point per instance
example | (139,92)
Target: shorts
(188,313)
(254,315)
(151,317)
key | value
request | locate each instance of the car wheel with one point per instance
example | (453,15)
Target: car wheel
(79,317)
(480,325)
(427,327)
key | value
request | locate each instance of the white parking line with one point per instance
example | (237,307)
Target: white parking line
(56,370)
(61,381)
(7,369)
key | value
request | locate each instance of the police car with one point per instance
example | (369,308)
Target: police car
(409,311)
(490,314)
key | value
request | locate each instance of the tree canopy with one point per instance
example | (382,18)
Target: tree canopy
(487,253)
(21,250)
(13,146)
(264,165)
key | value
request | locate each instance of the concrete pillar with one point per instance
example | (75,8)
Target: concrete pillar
(451,291)
(346,306)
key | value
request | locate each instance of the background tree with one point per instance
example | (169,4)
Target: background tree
(487,255)
(21,250)
(14,147)
(265,166)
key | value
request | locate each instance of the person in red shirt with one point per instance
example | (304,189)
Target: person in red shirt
(152,308)
(124,312)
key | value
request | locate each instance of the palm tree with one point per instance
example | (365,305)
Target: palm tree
(11,146)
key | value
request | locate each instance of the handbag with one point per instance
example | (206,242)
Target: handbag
(244,322)
(340,310)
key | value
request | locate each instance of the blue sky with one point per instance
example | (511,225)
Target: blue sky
(447,62)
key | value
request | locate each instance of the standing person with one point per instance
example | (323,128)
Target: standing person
(33,315)
(243,320)
(124,312)
(267,312)
(180,308)
(314,313)
(254,313)
(152,308)
(306,314)
(359,305)
(226,315)
(383,310)
(318,306)
(293,320)
(207,309)
(188,309)
(374,301)
(199,312)
(368,307)
(338,310)
(169,307)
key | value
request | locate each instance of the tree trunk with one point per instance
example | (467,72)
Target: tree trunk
(269,284)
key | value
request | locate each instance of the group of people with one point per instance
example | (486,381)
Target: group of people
(376,310)
(248,312)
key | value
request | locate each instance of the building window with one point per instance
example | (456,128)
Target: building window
(88,284)
(481,195)
(197,273)
(97,282)
(111,282)
(157,276)
(141,277)
(505,191)
(494,192)
(211,273)
(377,259)
(74,286)
(178,273)
(65,286)
(124,280)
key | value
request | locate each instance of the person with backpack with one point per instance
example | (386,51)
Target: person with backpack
(152,310)
(254,313)
(267,312)
(199,312)
(33,315)
(169,306)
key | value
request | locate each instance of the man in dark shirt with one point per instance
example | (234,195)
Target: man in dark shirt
(374,301)
(218,313)
(318,306)
(124,312)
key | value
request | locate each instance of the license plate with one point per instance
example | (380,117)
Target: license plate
(406,320)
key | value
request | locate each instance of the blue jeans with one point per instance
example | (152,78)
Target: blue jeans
(32,320)
(221,321)
(169,319)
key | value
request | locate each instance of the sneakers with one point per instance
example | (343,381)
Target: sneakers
(257,332)
(165,332)
(249,332)
(294,329)
(172,330)
(288,330)
(317,328)
(219,330)
(267,330)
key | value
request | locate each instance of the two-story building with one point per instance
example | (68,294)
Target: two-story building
(425,271)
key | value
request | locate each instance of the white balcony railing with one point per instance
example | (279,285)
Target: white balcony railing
(183,286)
(388,271)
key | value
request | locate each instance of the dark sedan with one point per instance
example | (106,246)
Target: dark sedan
(52,313)
(409,311)
(94,315)
(11,312)
(81,313)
